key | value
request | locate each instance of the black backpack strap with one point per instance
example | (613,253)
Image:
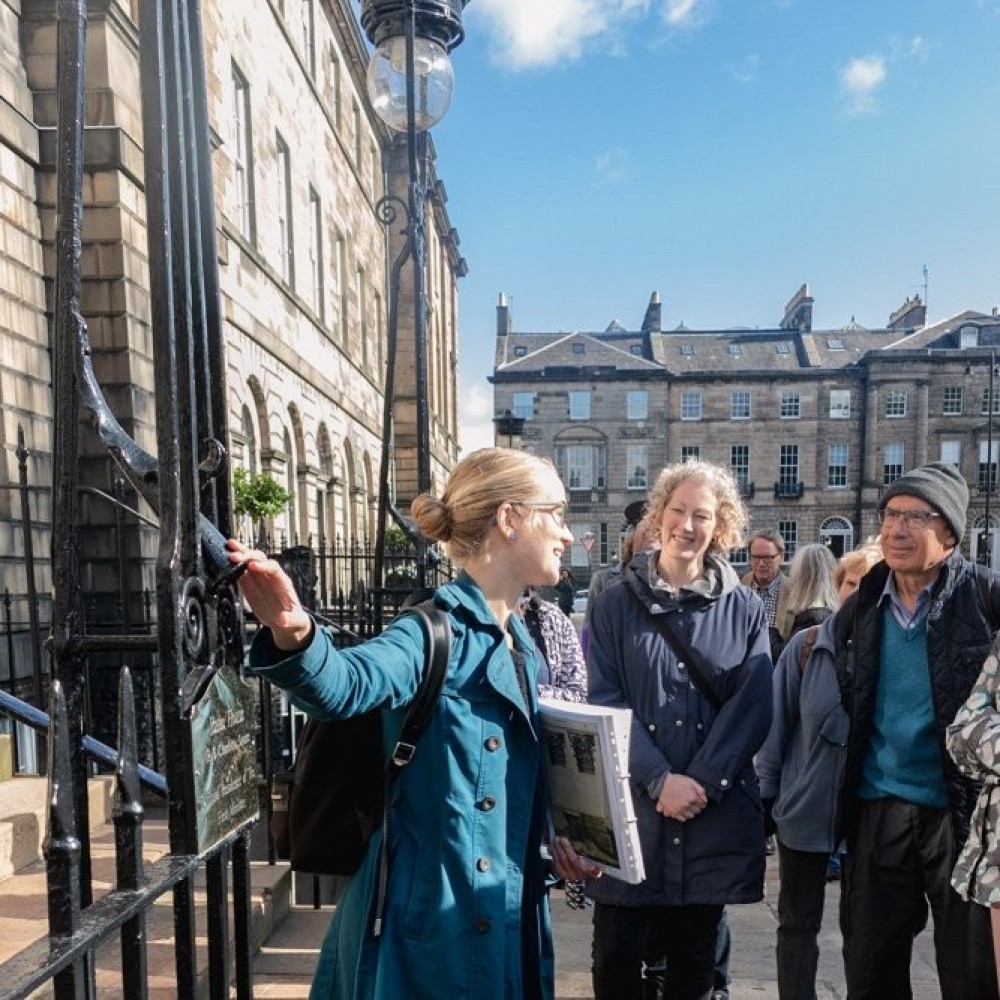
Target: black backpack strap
(437,650)
(437,653)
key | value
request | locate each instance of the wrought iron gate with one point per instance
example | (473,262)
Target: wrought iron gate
(211,779)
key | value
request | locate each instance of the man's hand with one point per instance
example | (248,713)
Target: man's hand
(681,798)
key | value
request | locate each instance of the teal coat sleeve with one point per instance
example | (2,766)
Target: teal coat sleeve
(330,683)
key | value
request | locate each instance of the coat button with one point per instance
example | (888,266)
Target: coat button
(488,803)
(483,925)
(677,841)
(493,743)
(652,727)
(724,783)
(680,666)
(679,723)
(483,864)
(701,725)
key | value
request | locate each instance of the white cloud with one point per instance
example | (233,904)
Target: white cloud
(611,165)
(916,47)
(533,33)
(475,417)
(746,70)
(685,13)
(861,78)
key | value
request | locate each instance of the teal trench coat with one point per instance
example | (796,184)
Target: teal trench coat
(466,913)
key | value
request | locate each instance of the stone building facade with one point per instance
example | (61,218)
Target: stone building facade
(813,423)
(300,163)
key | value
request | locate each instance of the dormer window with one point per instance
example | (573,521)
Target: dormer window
(687,350)
(835,344)
(579,347)
(520,352)
(783,347)
(968,336)
(735,350)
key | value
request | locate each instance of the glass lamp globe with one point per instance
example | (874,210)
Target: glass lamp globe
(432,84)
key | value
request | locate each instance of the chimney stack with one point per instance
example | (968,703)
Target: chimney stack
(503,317)
(653,320)
(799,311)
(911,315)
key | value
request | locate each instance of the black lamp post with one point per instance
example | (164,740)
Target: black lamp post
(410,84)
(985,553)
(509,426)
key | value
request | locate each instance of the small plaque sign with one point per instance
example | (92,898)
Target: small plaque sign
(225,758)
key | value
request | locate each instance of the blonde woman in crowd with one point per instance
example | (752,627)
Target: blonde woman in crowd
(701,709)
(466,877)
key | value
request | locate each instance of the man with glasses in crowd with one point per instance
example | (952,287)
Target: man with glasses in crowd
(764,578)
(911,642)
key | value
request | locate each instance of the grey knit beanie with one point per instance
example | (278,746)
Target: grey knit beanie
(941,485)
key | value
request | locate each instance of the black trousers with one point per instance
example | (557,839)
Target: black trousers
(800,917)
(899,863)
(625,935)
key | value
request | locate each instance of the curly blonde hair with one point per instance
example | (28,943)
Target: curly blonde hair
(462,517)
(730,516)
(858,561)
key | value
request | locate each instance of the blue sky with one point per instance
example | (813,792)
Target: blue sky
(721,152)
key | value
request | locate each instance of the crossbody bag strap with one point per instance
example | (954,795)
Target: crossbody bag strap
(697,668)
(437,653)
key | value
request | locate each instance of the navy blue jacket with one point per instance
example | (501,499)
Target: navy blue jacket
(718,857)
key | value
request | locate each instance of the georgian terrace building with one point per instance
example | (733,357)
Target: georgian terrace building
(813,423)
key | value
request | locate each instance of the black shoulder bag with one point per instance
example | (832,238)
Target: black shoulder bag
(340,788)
(697,668)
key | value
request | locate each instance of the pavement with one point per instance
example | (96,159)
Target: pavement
(283,967)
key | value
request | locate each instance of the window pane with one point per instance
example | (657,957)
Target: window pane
(580,466)
(638,404)
(524,405)
(789,531)
(739,405)
(691,406)
(840,404)
(895,403)
(791,406)
(637,472)
(788,465)
(951,451)
(892,462)
(579,405)
(952,404)
(836,472)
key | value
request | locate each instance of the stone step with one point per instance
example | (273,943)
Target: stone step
(23,815)
(23,914)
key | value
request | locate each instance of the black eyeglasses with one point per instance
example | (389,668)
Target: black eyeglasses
(911,518)
(556,509)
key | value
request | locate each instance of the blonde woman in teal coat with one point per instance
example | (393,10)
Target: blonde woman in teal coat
(466,914)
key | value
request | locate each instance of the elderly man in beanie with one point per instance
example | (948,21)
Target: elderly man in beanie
(910,644)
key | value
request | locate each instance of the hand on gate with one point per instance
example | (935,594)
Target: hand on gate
(272,598)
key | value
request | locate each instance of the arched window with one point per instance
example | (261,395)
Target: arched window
(837,534)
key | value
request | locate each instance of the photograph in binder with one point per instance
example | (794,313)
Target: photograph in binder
(586,752)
